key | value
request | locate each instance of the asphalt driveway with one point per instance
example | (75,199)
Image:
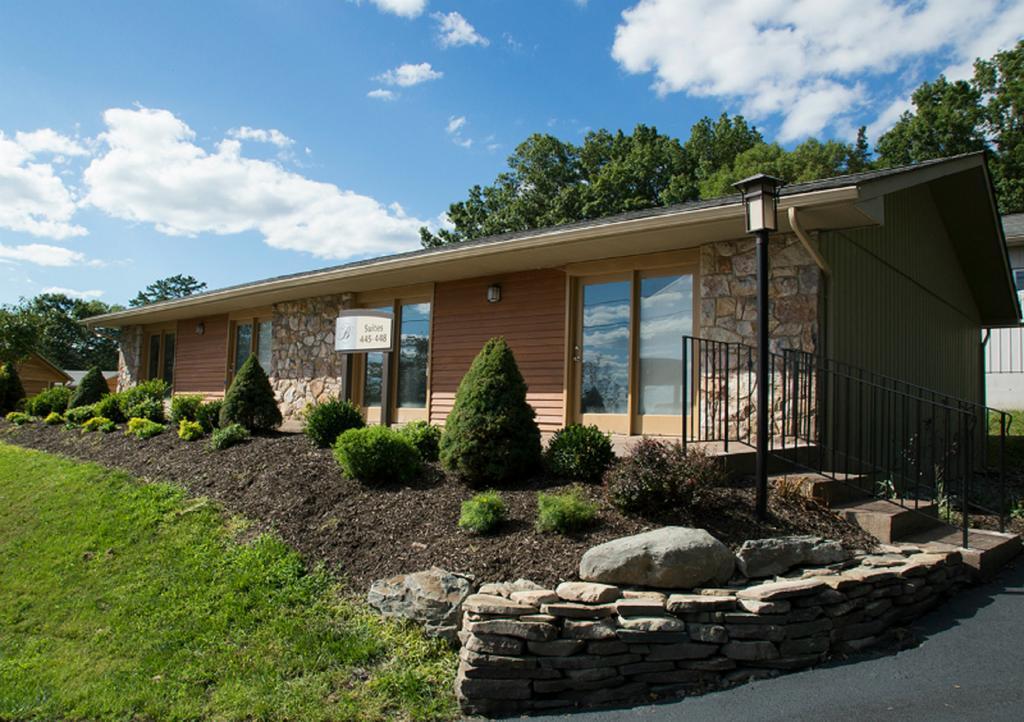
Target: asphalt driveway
(969,665)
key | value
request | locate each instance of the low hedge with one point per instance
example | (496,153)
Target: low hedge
(49,400)
(326,421)
(579,453)
(425,437)
(99,423)
(377,454)
(144,428)
(228,436)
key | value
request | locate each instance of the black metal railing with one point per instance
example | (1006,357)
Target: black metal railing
(892,439)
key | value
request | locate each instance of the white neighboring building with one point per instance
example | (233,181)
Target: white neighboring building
(1004,351)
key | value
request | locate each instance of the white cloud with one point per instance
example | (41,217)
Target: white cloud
(85,295)
(382,94)
(41,254)
(455,124)
(47,140)
(409,74)
(803,60)
(454,30)
(402,8)
(33,199)
(152,171)
(272,136)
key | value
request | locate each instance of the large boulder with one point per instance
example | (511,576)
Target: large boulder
(673,557)
(432,597)
(777,555)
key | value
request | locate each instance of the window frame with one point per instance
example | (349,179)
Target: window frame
(161,331)
(253,319)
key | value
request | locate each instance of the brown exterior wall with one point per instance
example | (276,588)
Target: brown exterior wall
(36,375)
(200,362)
(531,317)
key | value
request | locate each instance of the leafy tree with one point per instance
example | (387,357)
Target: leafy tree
(715,144)
(11,390)
(250,399)
(164,289)
(17,336)
(90,389)
(51,323)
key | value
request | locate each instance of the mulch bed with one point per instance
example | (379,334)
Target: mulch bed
(364,533)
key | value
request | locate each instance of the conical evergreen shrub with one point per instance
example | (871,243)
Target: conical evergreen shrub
(90,389)
(250,399)
(11,390)
(491,434)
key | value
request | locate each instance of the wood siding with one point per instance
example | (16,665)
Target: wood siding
(37,375)
(200,362)
(531,317)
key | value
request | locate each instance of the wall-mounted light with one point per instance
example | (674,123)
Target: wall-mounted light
(493,293)
(200,328)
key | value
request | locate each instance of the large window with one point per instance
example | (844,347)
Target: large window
(408,364)
(374,373)
(605,372)
(160,356)
(254,336)
(666,315)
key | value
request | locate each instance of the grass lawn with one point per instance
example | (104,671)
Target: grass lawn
(122,600)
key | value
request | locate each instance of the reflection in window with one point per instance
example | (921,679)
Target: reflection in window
(263,341)
(374,371)
(666,315)
(154,357)
(413,352)
(605,382)
(243,344)
(168,374)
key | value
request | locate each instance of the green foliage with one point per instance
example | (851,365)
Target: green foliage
(53,419)
(250,399)
(483,513)
(164,289)
(658,476)
(208,415)
(426,437)
(185,407)
(326,421)
(19,418)
(579,453)
(55,398)
(491,434)
(228,436)
(51,324)
(144,400)
(81,414)
(377,454)
(110,407)
(189,430)
(12,393)
(567,512)
(98,423)
(203,627)
(90,389)
(143,428)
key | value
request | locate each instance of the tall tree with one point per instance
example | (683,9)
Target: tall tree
(51,323)
(164,289)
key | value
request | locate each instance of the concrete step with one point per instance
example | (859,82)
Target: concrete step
(987,551)
(888,521)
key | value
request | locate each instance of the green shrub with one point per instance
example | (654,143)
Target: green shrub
(325,422)
(185,408)
(151,409)
(189,430)
(53,418)
(484,513)
(144,400)
(143,428)
(658,475)
(12,393)
(228,436)
(81,414)
(250,399)
(208,415)
(99,423)
(55,398)
(377,454)
(110,407)
(18,418)
(580,453)
(491,434)
(566,512)
(91,388)
(425,437)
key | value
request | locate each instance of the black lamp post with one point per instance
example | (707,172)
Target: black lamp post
(760,205)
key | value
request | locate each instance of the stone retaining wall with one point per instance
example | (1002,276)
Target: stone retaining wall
(528,649)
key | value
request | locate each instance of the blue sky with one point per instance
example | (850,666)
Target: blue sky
(238,140)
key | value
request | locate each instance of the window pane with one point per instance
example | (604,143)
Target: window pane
(168,374)
(263,342)
(243,344)
(154,357)
(413,351)
(605,383)
(666,315)
(374,371)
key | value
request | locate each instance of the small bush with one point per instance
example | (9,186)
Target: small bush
(425,437)
(142,428)
(189,430)
(325,422)
(250,399)
(658,475)
(208,415)
(110,407)
(566,512)
(146,409)
(90,389)
(580,453)
(483,514)
(81,414)
(53,419)
(99,423)
(18,418)
(52,399)
(12,393)
(134,401)
(377,454)
(185,408)
(230,435)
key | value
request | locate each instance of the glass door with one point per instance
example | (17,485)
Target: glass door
(603,354)
(666,315)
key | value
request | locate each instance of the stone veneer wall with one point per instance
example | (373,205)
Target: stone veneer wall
(528,649)
(129,357)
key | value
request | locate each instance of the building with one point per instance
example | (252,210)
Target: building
(77,374)
(1004,347)
(38,373)
(894,271)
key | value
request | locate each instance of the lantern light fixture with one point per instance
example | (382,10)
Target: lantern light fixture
(493,293)
(200,328)
(760,201)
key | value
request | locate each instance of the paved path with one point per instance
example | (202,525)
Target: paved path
(970,666)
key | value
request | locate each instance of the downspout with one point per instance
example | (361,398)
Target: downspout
(808,244)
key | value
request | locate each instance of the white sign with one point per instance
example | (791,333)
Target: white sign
(361,331)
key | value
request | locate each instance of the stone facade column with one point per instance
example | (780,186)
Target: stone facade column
(129,357)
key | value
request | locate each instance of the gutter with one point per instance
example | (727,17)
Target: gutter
(812,248)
